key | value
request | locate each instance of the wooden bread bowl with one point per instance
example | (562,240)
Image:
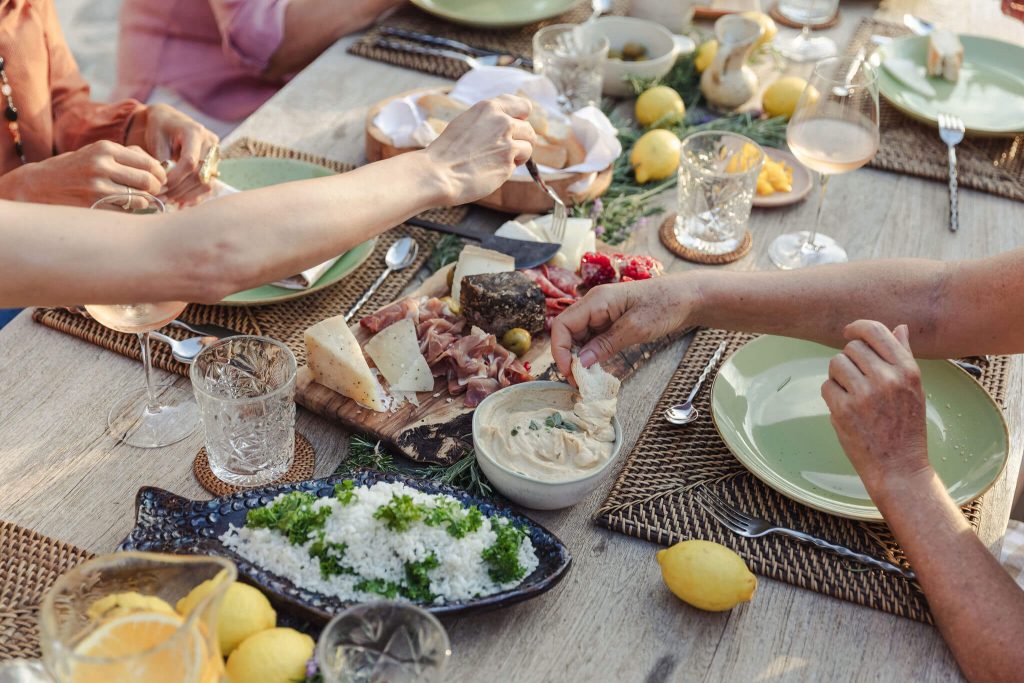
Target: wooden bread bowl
(517,195)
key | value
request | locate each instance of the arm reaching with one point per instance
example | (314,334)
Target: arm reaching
(952,309)
(60,255)
(877,403)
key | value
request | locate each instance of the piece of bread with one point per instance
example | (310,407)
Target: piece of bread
(440,106)
(547,154)
(538,117)
(437,124)
(560,133)
(945,55)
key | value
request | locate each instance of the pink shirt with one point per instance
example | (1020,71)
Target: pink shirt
(211,52)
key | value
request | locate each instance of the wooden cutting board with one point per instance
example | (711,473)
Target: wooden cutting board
(439,430)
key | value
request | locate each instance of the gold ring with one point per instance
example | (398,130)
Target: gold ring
(208,169)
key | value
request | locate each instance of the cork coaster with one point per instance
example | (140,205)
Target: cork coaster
(668,238)
(301,469)
(775,14)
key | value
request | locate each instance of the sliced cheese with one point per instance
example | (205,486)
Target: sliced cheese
(514,230)
(579,238)
(337,362)
(945,55)
(478,261)
(395,351)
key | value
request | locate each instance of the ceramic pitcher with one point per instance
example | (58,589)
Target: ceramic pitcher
(728,82)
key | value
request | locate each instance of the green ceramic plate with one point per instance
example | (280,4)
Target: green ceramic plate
(496,13)
(253,172)
(989,96)
(767,405)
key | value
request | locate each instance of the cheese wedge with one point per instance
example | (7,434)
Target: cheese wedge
(945,55)
(336,361)
(395,351)
(478,261)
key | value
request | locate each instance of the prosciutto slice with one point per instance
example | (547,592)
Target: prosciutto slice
(391,314)
(479,388)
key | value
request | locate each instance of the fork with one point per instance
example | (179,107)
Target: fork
(951,130)
(752,527)
(489,59)
(561,215)
(438,41)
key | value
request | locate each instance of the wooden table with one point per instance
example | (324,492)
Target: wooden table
(611,619)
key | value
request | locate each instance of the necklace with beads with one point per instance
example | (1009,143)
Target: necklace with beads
(11,112)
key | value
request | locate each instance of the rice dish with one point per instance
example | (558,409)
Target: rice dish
(387,540)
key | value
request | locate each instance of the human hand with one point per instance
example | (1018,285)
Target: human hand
(478,150)
(82,177)
(877,403)
(170,135)
(615,316)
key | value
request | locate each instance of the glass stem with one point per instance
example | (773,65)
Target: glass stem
(805,33)
(147,362)
(823,181)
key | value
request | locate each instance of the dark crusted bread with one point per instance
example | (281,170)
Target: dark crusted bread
(497,302)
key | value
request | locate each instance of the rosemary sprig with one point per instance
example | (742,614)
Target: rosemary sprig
(447,251)
(464,474)
(364,454)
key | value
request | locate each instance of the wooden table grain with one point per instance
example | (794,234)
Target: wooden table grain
(611,619)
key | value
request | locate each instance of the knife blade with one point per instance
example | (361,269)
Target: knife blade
(527,254)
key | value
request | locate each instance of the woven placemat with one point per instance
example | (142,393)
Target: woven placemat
(284,321)
(29,564)
(667,232)
(517,41)
(301,469)
(993,165)
(651,500)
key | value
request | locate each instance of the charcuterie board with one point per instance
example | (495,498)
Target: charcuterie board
(439,429)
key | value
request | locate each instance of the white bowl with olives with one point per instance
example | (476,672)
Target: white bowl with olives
(639,49)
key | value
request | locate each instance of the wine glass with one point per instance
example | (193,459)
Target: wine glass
(833,130)
(154,416)
(804,48)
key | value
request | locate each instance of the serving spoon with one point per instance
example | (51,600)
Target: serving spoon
(684,413)
(400,256)
(184,351)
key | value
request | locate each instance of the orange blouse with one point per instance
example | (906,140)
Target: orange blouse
(55,113)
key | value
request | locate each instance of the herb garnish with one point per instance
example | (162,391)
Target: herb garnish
(515,431)
(555,421)
(503,555)
(293,515)
(345,492)
(400,513)
(330,556)
(534,426)
(416,586)
(458,521)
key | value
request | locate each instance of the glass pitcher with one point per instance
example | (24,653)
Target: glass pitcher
(114,619)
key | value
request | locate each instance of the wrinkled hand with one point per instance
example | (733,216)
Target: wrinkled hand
(877,403)
(170,135)
(613,317)
(81,177)
(478,151)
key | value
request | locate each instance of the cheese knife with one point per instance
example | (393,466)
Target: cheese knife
(527,254)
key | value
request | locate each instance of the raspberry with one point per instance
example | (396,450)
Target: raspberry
(640,268)
(596,269)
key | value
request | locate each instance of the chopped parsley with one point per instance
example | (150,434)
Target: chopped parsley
(555,421)
(416,586)
(502,556)
(458,521)
(345,492)
(400,513)
(330,556)
(379,586)
(293,515)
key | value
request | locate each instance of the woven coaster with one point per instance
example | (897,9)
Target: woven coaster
(775,14)
(668,238)
(517,41)
(301,469)
(29,564)
(650,500)
(993,165)
(285,321)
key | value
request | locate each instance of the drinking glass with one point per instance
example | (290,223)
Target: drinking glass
(385,641)
(804,48)
(833,130)
(245,387)
(154,416)
(717,179)
(90,630)
(572,57)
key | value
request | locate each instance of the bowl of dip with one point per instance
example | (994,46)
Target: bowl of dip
(540,448)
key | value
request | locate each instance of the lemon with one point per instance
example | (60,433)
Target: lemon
(655,155)
(768,28)
(706,575)
(243,612)
(705,54)
(119,604)
(782,96)
(278,655)
(656,103)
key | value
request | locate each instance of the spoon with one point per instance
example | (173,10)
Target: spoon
(401,255)
(184,351)
(684,413)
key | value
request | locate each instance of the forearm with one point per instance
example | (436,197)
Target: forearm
(952,309)
(63,256)
(311,26)
(977,606)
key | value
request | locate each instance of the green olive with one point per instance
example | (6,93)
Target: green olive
(633,51)
(451,277)
(517,340)
(453,305)
(614,54)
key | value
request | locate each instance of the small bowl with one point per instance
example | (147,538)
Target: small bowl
(663,48)
(528,491)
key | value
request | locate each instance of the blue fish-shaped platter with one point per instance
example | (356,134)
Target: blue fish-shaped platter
(171,524)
